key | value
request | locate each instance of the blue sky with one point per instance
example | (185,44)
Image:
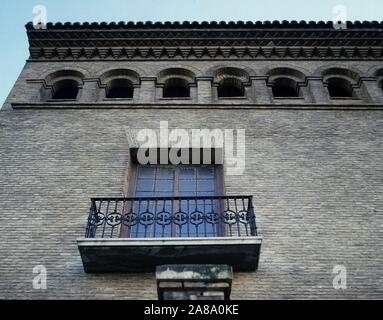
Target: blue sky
(15,14)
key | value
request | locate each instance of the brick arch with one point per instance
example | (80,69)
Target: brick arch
(219,72)
(286,72)
(175,72)
(122,73)
(191,67)
(376,72)
(64,74)
(57,73)
(341,72)
(231,72)
(288,69)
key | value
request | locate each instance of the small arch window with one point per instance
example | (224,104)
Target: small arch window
(339,88)
(176,88)
(65,90)
(119,89)
(285,88)
(230,88)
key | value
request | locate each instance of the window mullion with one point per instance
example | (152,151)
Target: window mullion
(176,179)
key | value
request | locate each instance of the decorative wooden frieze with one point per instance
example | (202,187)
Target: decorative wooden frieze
(214,40)
(93,53)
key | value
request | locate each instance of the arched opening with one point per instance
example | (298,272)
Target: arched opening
(339,88)
(230,88)
(119,89)
(65,90)
(285,88)
(176,88)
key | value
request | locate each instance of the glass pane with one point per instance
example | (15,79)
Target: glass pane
(208,207)
(189,218)
(164,185)
(187,173)
(206,185)
(206,173)
(146,172)
(187,185)
(183,205)
(205,194)
(145,185)
(187,194)
(165,173)
(164,194)
(163,231)
(144,205)
(141,194)
(168,207)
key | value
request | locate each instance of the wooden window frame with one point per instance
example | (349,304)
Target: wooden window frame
(133,181)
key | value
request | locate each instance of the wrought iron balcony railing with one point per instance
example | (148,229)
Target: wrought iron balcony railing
(172,217)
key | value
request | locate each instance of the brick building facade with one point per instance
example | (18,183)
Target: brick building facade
(309,97)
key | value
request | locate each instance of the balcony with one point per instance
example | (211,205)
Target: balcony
(139,234)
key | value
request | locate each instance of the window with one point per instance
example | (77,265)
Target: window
(119,89)
(167,180)
(339,88)
(285,88)
(231,82)
(175,181)
(230,88)
(176,88)
(340,83)
(65,90)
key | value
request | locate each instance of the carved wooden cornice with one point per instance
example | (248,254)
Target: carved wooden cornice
(153,41)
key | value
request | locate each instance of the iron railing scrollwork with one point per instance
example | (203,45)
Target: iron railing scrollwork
(218,216)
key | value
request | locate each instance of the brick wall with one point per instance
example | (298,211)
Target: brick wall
(316,177)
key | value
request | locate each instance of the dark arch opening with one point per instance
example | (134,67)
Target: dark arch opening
(285,88)
(339,88)
(230,88)
(120,89)
(176,88)
(65,90)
